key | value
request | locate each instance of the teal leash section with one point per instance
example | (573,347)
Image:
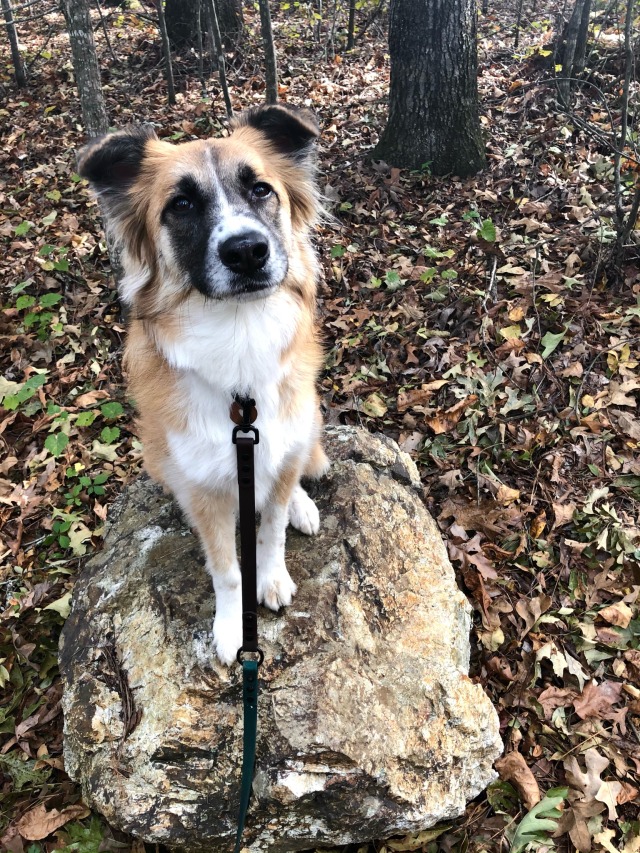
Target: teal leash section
(245,436)
(250,704)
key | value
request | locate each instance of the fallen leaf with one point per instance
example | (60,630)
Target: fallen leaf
(39,823)
(374,406)
(555,697)
(597,699)
(608,794)
(445,420)
(619,614)
(531,610)
(85,401)
(513,768)
(563,513)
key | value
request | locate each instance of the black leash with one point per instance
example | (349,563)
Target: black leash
(245,436)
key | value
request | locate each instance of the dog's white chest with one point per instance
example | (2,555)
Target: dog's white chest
(235,349)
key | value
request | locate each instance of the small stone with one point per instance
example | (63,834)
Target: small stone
(369,726)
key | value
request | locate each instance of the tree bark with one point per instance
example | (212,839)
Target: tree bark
(351,29)
(573,46)
(166,53)
(581,44)
(271,68)
(85,67)
(217,43)
(18,65)
(181,17)
(433,98)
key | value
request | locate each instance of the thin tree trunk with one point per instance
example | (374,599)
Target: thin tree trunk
(18,65)
(433,97)
(217,41)
(516,39)
(485,7)
(166,52)
(351,30)
(200,51)
(271,68)
(624,123)
(85,67)
(331,37)
(567,53)
(581,46)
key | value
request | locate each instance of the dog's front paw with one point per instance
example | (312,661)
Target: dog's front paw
(275,587)
(303,513)
(227,637)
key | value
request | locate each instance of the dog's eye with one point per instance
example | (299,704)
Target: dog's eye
(261,190)
(181,204)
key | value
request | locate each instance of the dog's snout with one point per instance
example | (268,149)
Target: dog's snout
(245,253)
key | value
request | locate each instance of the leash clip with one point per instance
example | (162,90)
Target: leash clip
(245,429)
(243,412)
(256,655)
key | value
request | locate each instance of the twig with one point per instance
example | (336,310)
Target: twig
(106,34)
(28,20)
(26,5)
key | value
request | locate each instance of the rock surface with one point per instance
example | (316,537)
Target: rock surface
(368,723)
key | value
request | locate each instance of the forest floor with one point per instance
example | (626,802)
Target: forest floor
(470,320)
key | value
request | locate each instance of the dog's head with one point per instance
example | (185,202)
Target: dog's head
(222,216)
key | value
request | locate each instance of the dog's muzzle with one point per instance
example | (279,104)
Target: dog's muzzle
(246,253)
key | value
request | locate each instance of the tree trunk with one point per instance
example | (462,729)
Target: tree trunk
(351,29)
(212,7)
(516,38)
(581,44)
(573,45)
(433,98)
(271,68)
(166,52)
(181,16)
(18,65)
(85,67)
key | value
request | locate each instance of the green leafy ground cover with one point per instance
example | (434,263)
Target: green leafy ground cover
(472,321)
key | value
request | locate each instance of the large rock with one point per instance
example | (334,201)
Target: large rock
(369,725)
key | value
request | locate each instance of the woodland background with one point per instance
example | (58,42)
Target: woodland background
(491,325)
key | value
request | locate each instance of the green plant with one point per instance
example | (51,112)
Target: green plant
(84,486)
(79,838)
(37,315)
(535,826)
(25,392)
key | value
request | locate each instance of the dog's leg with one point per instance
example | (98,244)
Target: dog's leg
(214,517)
(275,587)
(303,513)
(317,464)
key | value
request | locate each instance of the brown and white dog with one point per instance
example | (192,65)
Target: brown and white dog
(220,277)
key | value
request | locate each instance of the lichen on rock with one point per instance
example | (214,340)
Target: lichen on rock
(368,723)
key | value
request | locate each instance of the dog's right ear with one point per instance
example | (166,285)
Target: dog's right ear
(113,162)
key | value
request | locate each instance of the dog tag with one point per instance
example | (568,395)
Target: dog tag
(235,413)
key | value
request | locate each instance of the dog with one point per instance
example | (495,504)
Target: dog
(220,279)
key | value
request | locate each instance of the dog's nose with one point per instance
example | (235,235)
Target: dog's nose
(245,253)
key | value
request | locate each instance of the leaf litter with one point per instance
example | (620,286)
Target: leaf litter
(463,318)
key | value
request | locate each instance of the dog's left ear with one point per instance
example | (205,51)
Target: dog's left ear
(291,130)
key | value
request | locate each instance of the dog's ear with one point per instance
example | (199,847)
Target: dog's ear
(291,130)
(113,162)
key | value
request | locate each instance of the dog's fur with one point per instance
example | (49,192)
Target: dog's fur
(202,331)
